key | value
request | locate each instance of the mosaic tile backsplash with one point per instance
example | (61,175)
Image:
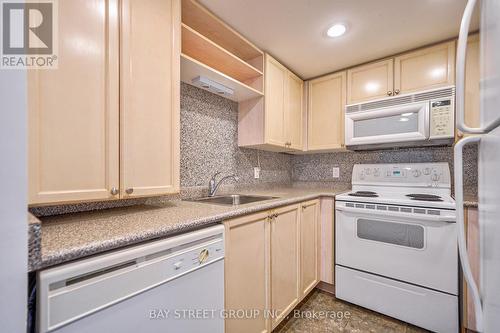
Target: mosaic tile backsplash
(209,143)
(209,133)
(318,167)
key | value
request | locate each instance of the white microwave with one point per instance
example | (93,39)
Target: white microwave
(421,119)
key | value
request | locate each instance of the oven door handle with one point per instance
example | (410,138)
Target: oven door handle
(412,216)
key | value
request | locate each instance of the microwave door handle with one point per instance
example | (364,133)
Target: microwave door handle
(462,246)
(460,75)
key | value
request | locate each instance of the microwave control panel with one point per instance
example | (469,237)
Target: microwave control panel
(442,119)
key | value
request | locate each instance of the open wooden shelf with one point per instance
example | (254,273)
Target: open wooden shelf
(198,47)
(202,20)
(192,68)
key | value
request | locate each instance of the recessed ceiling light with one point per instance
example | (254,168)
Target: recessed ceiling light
(336,30)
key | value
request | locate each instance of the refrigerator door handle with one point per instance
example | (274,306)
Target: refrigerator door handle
(462,246)
(460,75)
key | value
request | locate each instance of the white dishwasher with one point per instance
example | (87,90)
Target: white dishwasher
(171,285)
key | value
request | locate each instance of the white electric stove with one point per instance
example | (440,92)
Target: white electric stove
(396,249)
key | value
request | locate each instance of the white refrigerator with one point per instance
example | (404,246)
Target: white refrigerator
(487,297)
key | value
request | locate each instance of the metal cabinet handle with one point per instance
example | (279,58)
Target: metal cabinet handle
(114,191)
(462,247)
(130,190)
(396,92)
(389,93)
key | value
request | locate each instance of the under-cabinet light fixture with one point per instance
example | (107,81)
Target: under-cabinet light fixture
(212,86)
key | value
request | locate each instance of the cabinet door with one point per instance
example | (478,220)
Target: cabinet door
(284,262)
(275,85)
(309,246)
(294,111)
(428,68)
(370,81)
(247,271)
(73,110)
(473,249)
(326,102)
(150,89)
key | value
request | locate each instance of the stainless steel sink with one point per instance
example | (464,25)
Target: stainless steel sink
(233,199)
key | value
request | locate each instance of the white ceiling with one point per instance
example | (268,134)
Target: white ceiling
(294,31)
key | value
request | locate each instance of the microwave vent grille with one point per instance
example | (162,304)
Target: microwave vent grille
(442,93)
(392,101)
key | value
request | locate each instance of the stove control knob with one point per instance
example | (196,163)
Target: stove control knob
(427,171)
(416,173)
(376,172)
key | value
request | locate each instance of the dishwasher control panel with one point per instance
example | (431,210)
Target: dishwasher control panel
(196,257)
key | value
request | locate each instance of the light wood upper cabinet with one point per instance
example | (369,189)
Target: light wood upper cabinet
(309,246)
(73,110)
(84,142)
(247,265)
(275,85)
(294,111)
(150,75)
(427,68)
(422,69)
(326,102)
(274,122)
(285,238)
(371,81)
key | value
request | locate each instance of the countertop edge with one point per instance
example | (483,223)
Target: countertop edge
(38,262)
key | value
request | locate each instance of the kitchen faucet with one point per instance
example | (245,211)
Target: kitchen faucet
(213,185)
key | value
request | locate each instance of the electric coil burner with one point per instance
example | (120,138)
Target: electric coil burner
(424,197)
(366,194)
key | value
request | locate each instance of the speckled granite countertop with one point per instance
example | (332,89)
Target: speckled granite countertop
(73,236)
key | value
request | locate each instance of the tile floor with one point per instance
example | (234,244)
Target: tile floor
(333,315)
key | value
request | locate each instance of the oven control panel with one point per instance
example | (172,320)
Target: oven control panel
(424,174)
(442,119)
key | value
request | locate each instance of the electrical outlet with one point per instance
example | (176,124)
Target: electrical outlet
(336,172)
(256,172)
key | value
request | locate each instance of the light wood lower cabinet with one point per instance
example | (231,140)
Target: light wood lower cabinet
(247,265)
(285,261)
(472,238)
(310,246)
(272,263)
(105,124)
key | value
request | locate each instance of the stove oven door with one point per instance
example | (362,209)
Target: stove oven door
(418,248)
